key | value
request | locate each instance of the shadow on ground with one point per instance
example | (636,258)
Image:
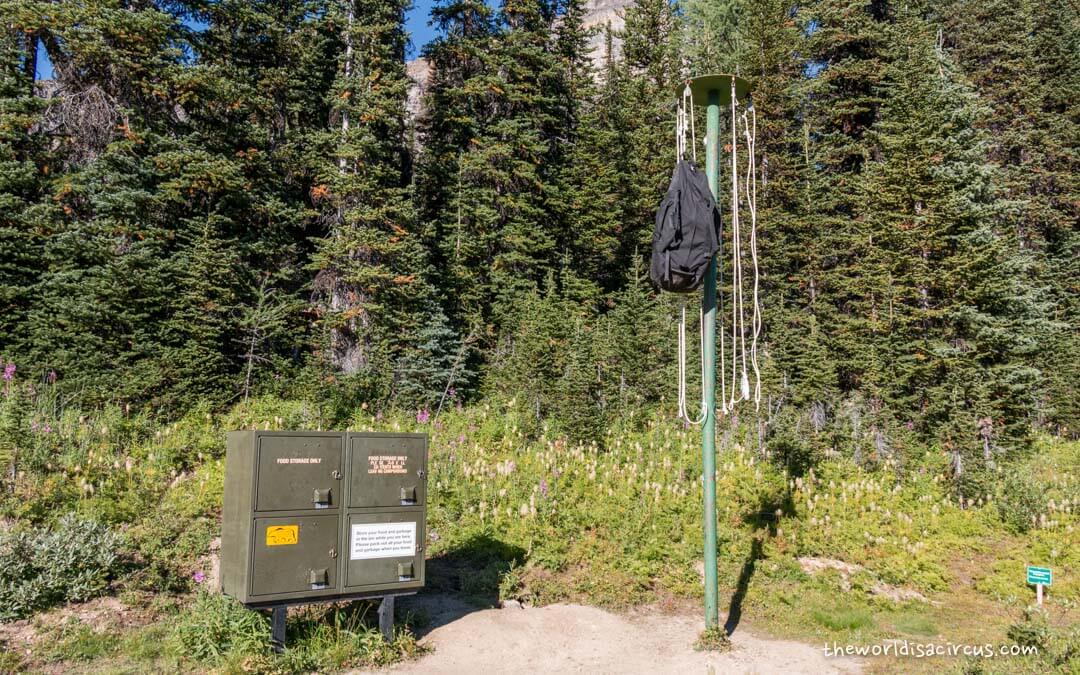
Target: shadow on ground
(461,580)
(734,614)
(763,519)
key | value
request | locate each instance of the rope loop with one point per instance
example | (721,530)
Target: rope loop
(684,412)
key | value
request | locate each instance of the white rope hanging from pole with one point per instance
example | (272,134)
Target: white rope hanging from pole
(685,122)
(746,197)
(739,351)
(751,202)
(725,408)
(684,412)
(738,320)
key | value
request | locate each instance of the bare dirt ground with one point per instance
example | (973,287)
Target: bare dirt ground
(579,639)
(100,614)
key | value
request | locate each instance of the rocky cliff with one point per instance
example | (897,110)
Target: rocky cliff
(598,14)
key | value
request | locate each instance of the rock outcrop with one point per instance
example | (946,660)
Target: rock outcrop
(419,71)
(599,14)
(602,13)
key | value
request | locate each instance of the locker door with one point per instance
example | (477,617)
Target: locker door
(295,554)
(298,473)
(387,470)
(385,548)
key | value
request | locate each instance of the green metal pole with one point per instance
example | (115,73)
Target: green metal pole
(708,434)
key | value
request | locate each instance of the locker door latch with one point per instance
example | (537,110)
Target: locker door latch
(321,498)
(408,495)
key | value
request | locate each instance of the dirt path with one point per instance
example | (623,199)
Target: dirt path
(577,639)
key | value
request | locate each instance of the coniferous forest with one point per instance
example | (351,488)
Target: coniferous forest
(212,202)
(214,199)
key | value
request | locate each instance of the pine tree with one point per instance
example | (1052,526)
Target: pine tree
(713,40)
(488,164)
(640,369)
(260,327)
(24,163)
(103,288)
(369,266)
(201,330)
(458,105)
(581,406)
(646,78)
(587,176)
(798,370)
(531,357)
(435,371)
(943,306)
(1019,57)
(843,64)
(1057,178)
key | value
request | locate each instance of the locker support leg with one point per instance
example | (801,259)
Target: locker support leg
(386,617)
(277,629)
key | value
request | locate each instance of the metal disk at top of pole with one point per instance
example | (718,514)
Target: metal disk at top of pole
(701,85)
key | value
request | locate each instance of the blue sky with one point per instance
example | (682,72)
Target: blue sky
(416,22)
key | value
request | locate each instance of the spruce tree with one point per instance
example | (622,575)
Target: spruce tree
(158,152)
(798,368)
(458,104)
(944,307)
(488,164)
(201,328)
(1057,180)
(435,370)
(713,40)
(369,265)
(530,360)
(103,288)
(647,74)
(641,339)
(589,173)
(24,166)
(843,64)
(1020,57)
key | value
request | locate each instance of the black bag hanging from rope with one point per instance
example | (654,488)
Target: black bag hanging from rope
(687,232)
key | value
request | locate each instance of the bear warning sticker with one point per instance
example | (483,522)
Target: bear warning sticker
(382,540)
(282,535)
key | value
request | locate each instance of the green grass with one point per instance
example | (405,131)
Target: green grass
(843,619)
(74,641)
(914,624)
(217,631)
(149,644)
(713,639)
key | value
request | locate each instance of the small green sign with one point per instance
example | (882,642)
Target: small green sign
(1039,575)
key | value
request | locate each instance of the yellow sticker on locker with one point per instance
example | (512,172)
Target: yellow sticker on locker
(282,535)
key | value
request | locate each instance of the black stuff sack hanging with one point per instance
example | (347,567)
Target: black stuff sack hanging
(687,232)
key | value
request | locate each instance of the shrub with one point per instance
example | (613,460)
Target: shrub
(1033,631)
(74,561)
(1021,502)
(215,626)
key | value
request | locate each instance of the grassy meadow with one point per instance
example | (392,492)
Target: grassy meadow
(121,510)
